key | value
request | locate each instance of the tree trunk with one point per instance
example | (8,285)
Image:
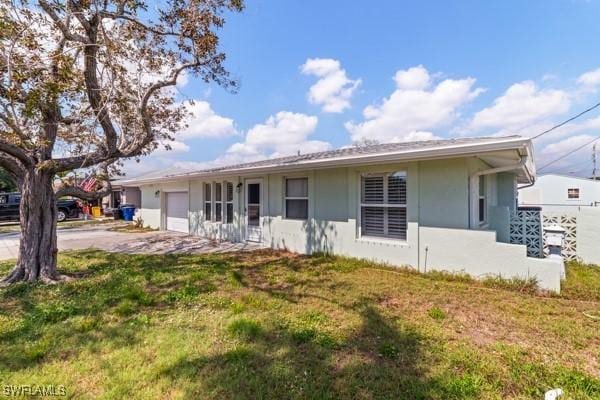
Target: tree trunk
(37,250)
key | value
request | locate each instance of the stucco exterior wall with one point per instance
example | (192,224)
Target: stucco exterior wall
(588,235)
(477,253)
(131,195)
(438,219)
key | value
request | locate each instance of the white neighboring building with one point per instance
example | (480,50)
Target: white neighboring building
(561,193)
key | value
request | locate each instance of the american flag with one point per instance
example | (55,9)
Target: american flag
(88,184)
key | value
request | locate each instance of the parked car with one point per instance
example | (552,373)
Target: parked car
(9,207)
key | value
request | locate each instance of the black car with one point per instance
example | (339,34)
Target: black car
(9,208)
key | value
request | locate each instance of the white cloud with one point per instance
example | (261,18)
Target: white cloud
(522,103)
(554,150)
(414,108)
(176,146)
(205,123)
(284,133)
(334,89)
(590,78)
(415,78)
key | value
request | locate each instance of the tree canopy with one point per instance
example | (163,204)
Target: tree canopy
(87,83)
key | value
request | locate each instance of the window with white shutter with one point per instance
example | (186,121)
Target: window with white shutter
(383,205)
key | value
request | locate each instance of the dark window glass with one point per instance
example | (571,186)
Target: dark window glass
(296,209)
(207,211)
(573,193)
(229,213)
(218,192)
(254,193)
(482,210)
(253,215)
(218,212)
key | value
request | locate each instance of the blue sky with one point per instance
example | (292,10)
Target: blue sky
(395,71)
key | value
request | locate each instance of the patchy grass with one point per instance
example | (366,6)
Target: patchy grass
(275,325)
(14,227)
(583,282)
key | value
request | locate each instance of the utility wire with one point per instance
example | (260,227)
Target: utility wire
(568,153)
(566,121)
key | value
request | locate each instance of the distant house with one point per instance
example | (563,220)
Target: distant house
(121,195)
(442,204)
(561,193)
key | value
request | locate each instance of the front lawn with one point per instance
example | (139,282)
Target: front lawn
(275,325)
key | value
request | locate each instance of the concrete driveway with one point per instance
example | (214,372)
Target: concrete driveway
(101,237)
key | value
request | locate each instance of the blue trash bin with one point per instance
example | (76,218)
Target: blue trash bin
(128,213)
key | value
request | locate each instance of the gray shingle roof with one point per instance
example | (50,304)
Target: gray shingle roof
(383,148)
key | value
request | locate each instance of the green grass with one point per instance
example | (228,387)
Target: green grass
(275,325)
(583,282)
(70,224)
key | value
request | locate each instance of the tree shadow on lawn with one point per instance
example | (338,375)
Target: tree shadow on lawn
(100,305)
(382,359)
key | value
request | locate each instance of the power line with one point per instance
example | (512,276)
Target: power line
(566,121)
(568,153)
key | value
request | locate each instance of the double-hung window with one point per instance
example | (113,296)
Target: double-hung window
(228,202)
(296,198)
(218,202)
(207,202)
(383,205)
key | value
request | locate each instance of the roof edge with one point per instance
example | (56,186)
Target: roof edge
(443,151)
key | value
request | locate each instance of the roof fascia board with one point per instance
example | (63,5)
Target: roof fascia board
(366,159)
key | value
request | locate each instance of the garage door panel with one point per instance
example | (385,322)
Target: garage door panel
(177,212)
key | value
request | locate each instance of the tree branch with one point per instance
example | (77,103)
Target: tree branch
(11,164)
(76,191)
(61,25)
(15,152)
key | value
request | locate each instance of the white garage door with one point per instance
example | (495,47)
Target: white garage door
(177,212)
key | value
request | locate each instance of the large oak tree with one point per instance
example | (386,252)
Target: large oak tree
(84,84)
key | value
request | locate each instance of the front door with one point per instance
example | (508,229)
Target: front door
(254,210)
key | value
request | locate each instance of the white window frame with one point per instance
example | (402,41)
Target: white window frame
(226,202)
(286,198)
(384,236)
(208,201)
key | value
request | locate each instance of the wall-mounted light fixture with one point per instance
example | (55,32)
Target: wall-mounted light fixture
(239,187)
(157,194)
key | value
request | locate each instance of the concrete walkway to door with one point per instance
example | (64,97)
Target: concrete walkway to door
(103,238)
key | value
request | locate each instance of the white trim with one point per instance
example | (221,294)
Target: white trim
(261,209)
(285,198)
